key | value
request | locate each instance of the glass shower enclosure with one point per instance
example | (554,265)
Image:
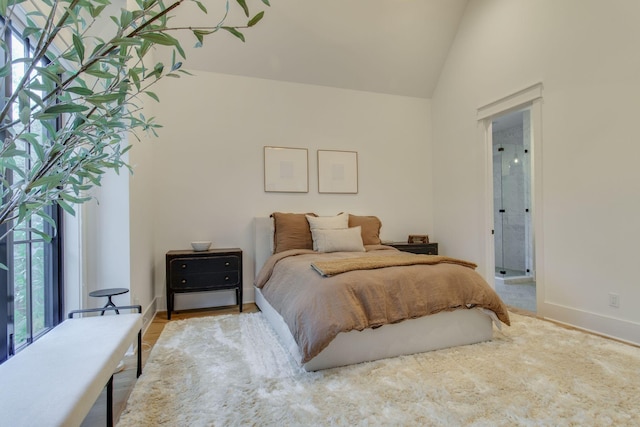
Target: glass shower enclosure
(512,195)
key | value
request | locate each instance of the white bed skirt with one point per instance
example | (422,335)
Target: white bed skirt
(441,330)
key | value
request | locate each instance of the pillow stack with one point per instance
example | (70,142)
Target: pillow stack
(332,234)
(343,232)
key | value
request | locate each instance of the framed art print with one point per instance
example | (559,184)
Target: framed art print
(337,171)
(286,170)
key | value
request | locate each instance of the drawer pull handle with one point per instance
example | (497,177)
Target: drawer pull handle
(226,277)
(227,264)
(184,281)
(184,266)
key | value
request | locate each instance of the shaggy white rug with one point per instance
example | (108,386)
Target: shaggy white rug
(232,371)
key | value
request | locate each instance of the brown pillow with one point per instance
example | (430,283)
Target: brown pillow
(291,231)
(370,228)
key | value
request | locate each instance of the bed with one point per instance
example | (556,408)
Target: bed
(286,300)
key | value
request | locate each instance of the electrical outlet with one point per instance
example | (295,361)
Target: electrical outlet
(614,300)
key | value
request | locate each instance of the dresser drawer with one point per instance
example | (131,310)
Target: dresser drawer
(211,280)
(182,266)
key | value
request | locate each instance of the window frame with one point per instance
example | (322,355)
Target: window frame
(52,256)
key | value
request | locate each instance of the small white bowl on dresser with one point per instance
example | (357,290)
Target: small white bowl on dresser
(201,245)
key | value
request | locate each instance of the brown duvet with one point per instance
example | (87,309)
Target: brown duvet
(318,308)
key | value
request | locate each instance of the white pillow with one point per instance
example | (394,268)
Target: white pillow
(328,222)
(338,222)
(338,240)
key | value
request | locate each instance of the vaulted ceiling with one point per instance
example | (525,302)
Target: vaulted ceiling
(388,46)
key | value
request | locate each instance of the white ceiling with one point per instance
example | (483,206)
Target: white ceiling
(388,46)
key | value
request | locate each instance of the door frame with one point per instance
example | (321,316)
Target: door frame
(531,98)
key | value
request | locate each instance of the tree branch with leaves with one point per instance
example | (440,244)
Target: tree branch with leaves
(66,121)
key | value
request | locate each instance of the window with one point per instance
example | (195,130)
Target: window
(31,287)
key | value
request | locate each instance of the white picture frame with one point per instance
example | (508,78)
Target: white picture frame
(286,170)
(337,171)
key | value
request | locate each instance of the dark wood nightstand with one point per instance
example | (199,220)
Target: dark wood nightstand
(416,248)
(212,270)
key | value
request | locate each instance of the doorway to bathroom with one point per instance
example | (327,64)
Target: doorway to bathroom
(511,143)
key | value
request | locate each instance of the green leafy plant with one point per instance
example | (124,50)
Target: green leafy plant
(76,102)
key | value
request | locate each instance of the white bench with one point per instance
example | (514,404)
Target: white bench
(56,380)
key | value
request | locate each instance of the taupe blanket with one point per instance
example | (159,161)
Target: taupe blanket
(318,308)
(331,268)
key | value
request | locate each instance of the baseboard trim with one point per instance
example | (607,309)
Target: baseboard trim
(618,329)
(149,314)
(147,317)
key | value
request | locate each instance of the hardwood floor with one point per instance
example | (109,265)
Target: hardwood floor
(124,381)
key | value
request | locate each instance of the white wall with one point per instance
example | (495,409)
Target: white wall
(208,162)
(105,242)
(585,54)
(117,236)
(73,267)
(141,223)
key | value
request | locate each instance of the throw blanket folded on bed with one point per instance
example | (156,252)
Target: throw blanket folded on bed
(331,268)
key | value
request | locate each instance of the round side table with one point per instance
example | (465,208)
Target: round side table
(108,293)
